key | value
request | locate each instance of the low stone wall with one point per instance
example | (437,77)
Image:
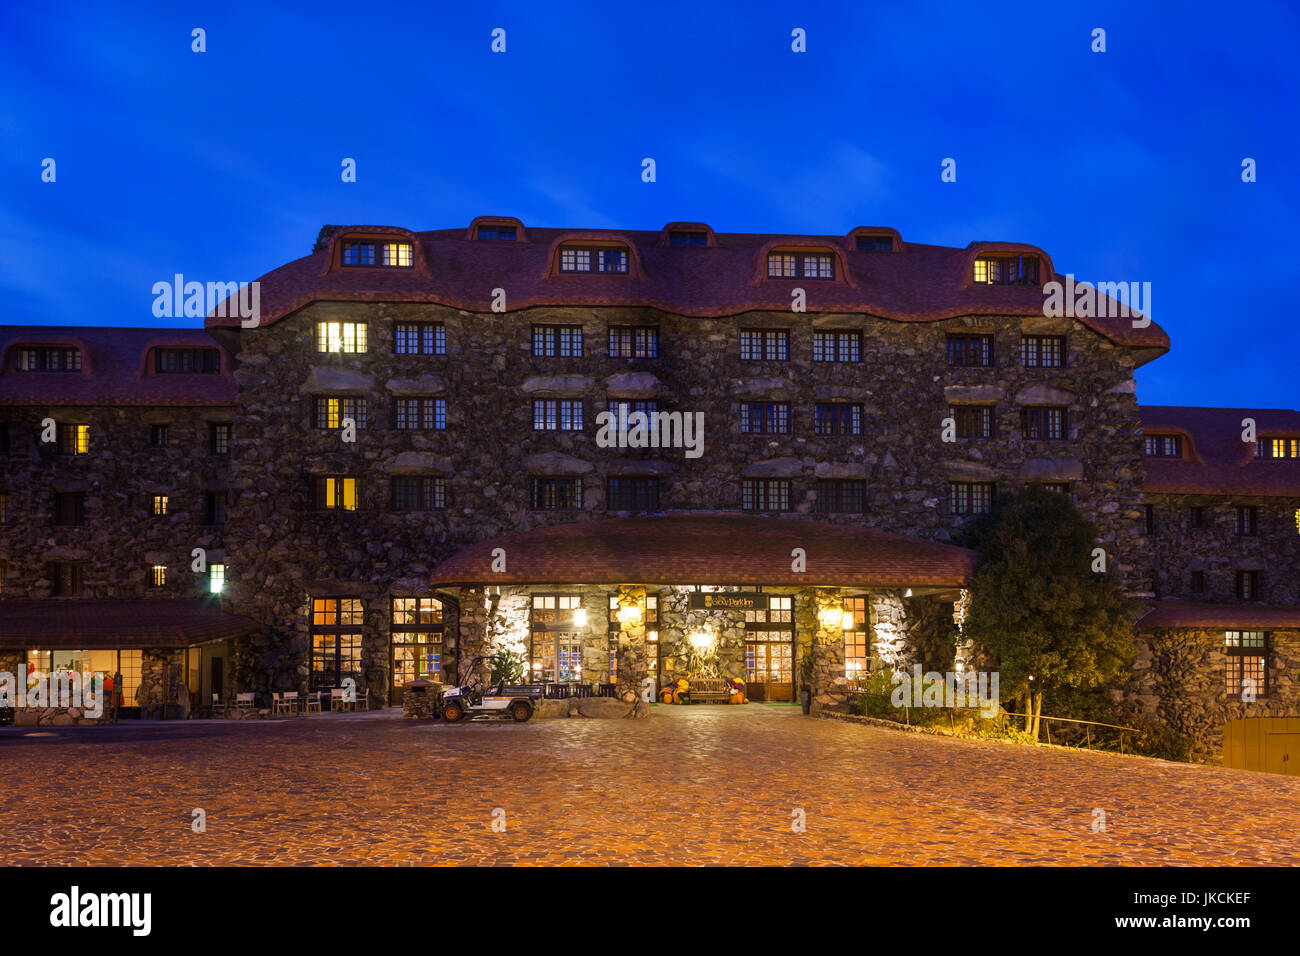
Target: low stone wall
(609,708)
(52,717)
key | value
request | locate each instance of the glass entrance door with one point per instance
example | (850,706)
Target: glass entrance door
(769,651)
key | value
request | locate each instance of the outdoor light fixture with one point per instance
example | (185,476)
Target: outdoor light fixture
(580,617)
(831,617)
(846,620)
(701,640)
(907,593)
(629,614)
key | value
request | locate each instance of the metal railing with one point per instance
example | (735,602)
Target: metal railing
(1001,718)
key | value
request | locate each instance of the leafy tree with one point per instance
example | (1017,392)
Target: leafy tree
(1037,606)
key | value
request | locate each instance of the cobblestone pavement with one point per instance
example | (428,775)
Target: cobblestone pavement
(691,785)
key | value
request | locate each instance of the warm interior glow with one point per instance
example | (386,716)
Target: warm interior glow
(846,620)
(629,614)
(833,617)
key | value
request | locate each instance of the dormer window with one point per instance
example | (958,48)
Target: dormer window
(868,243)
(1277,448)
(1006,270)
(498,233)
(800,265)
(687,237)
(593,259)
(48,359)
(182,361)
(1164,446)
(368,253)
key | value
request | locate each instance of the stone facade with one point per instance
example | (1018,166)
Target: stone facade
(285,552)
(120,539)
(489,449)
(1218,552)
(1180,680)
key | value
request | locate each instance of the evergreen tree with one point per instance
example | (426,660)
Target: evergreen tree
(1039,608)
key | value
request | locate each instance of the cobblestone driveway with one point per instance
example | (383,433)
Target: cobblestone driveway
(702,785)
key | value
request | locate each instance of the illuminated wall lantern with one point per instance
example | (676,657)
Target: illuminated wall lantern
(580,617)
(832,617)
(629,614)
(701,640)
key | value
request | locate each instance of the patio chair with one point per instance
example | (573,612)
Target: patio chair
(311,702)
(339,701)
(218,706)
(290,698)
(279,703)
(362,701)
(243,703)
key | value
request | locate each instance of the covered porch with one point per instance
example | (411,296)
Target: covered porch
(619,606)
(165,657)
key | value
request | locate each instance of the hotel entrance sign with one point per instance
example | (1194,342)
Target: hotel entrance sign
(729,600)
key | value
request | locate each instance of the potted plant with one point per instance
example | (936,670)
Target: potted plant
(805,681)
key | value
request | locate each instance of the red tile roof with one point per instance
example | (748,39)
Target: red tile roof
(920,283)
(113,370)
(709,548)
(91,624)
(1230,616)
(1216,461)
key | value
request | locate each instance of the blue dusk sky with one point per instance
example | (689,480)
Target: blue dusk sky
(223,165)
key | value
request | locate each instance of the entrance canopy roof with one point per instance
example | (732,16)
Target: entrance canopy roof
(710,548)
(97,625)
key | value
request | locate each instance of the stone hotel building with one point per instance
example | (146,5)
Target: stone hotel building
(403,464)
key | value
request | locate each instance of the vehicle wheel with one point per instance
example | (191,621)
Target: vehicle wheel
(520,711)
(452,712)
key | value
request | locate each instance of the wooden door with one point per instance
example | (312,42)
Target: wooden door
(770,670)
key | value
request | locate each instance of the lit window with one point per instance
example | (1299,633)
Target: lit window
(336,493)
(340,336)
(73,439)
(332,411)
(397,254)
(1247,671)
(159,575)
(216,578)
(159,505)
(1277,448)
(1007,270)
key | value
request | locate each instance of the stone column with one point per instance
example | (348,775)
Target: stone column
(889,629)
(633,662)
(829,685)
(471,630)
(964,657)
